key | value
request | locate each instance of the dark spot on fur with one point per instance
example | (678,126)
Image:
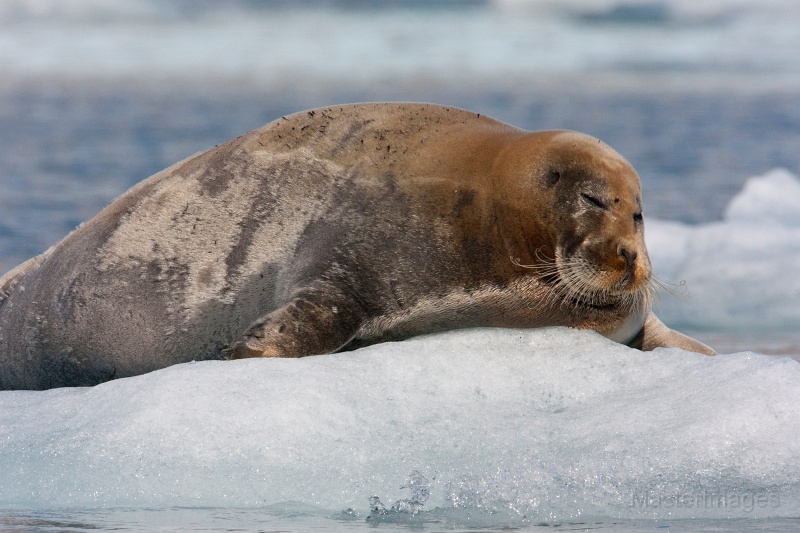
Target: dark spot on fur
(390,182)
(552,177)
(355,130)
(205,276)
(169,273)
(465,198)
(213,168)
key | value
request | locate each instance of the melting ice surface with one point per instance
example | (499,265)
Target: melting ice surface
(485,427)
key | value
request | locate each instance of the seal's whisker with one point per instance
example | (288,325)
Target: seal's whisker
(576,279)
(679,289)
(516,262)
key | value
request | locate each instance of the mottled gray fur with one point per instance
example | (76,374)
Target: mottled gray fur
(310,223)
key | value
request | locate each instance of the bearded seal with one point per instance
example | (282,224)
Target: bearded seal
(332,229)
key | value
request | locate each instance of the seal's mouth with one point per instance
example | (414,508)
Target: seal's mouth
(631,281)
(580,302)
(589,286)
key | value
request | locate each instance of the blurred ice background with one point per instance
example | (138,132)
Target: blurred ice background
(702,96)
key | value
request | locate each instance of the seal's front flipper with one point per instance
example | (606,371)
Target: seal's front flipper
(655,334)
(310,324)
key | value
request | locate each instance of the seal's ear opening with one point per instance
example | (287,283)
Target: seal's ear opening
(551,178)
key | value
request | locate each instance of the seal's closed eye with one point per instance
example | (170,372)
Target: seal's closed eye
(594,201)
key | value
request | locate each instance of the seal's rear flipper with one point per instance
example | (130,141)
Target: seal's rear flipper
(655,334)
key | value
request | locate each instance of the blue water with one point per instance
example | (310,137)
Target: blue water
(699,96)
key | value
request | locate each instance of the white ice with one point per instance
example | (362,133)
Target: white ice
(513,425)
(545,424)
(742,273)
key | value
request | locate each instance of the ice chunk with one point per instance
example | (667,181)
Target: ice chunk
(547,424)
(741,273)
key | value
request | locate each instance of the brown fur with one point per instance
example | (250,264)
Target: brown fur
(332,229)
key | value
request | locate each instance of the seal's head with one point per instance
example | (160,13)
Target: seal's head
(576,218)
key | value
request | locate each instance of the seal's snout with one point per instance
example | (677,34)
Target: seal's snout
(632,266)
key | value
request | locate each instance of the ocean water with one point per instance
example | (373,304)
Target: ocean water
(485,429)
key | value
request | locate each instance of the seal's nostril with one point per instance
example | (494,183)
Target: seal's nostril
(630,257)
